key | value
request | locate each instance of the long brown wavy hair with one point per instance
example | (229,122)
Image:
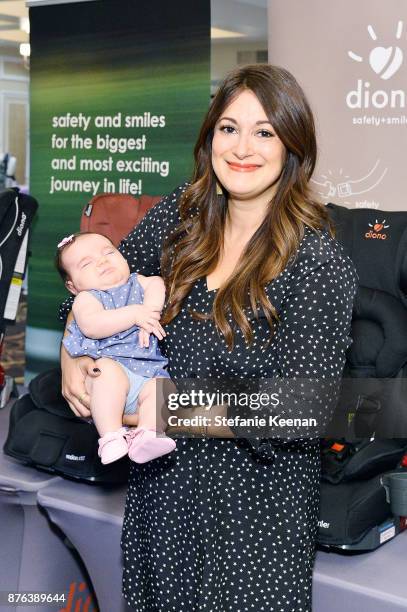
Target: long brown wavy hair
(194,247)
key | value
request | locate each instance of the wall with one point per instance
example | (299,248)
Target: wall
(224,56)
(14,109)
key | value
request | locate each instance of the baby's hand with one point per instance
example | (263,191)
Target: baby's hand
(148,318)
(144,338)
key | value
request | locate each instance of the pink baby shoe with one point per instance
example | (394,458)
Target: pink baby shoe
(147,444)
(113,446)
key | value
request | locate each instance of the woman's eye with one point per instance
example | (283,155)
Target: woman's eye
(227,129)
(85,264)
(265,134)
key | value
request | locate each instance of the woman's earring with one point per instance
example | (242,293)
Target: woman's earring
(219,190)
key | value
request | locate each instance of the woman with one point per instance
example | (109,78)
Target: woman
(257,287)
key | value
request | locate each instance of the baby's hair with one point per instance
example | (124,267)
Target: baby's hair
(60,250)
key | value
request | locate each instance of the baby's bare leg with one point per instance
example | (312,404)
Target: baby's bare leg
(108,394)
(131,420)
(152,404)
(145,444)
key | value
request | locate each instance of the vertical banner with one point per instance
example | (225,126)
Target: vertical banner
(118,93)
(351,59)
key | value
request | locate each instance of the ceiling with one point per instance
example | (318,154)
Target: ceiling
(231,19)
(247,19)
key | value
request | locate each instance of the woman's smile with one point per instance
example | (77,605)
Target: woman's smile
(242,167)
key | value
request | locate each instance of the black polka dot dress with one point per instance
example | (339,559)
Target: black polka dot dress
(227,525)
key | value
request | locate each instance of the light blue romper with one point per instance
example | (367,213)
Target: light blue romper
(139,363)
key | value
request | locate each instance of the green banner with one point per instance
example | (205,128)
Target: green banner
(118,93)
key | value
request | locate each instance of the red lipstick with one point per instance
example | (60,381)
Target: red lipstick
(242,167)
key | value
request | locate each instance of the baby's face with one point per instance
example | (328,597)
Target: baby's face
(92,262)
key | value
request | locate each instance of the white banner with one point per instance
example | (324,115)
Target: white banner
(351,59)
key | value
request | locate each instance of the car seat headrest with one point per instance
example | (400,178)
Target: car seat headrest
(376,241)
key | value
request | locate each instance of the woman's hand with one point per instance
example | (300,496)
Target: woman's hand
(74,372)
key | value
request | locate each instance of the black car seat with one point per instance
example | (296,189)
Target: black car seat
(367,436)
(374,394)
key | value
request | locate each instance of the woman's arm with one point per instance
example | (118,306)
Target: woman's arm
(74,372)
(142,247)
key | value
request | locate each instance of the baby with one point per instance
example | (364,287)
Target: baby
(116,321)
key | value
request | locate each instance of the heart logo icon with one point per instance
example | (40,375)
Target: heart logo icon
(385,61)
(379,57)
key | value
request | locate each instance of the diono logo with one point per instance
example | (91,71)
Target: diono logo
(376,230)
(385,62)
